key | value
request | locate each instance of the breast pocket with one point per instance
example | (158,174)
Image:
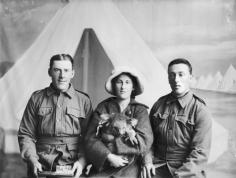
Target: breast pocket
(45,122)
(159,121)
(73,120)
(184,128)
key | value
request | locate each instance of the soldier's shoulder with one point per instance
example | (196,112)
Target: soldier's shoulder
(82,94)
(162,99)
(199,99)
(38,92)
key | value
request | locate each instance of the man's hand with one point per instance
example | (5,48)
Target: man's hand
(117,160)
(36,166)
(78,168)
(148,170)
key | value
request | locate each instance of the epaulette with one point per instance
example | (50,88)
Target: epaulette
(164,97)
(38,91)
(82,93)
(161,99)
(199,99)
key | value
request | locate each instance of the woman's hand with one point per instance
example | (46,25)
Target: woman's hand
(148,170)
(117,160)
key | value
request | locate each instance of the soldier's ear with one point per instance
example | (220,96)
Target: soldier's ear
(72,73)
(49,72)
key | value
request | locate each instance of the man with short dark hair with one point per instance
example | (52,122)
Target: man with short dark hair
(182,128)
(54,122)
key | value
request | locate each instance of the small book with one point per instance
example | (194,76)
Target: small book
(60,171)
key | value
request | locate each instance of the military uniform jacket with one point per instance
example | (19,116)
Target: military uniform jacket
(96,149)
(54,123)
(182,134)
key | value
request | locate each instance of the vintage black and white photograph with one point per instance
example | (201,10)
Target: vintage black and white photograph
(118,88)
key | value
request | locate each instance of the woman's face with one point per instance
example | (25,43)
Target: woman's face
(123,87)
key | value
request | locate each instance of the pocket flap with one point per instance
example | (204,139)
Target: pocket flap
(44,111)
(75,112)
(181,118)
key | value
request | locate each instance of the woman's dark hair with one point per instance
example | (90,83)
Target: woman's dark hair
(61,57)
(134,81)
(181,61)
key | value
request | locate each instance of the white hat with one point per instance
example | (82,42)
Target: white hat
(124,69)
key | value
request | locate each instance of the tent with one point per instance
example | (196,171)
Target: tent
(228,79)
(215,83)
(233,88)
(108,41)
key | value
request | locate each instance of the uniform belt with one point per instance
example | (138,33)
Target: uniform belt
(59,140)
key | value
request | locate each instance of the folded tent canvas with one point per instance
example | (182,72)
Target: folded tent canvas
(108,41)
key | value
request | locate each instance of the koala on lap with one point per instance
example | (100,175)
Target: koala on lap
(112,126)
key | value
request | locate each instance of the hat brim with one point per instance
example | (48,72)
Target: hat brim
(116,72)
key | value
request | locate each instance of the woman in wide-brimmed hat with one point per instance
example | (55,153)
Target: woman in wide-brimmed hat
(111,151)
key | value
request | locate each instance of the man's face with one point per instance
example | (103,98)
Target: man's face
(61,74)
(179,79)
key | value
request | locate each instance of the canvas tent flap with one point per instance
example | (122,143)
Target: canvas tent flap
(93,66)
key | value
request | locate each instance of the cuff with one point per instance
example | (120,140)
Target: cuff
(147,158)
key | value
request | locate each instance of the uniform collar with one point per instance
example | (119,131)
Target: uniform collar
(128,111)
(132,101)
(183,101)
(52,90)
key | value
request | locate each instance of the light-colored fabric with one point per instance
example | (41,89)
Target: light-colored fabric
(124,69)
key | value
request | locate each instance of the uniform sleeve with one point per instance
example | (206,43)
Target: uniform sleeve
(27,132)
(200,146)
(144,135)
(148,156)
(96,150)
(84,126)
(88,113)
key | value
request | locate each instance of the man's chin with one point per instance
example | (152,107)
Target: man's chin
(62,87)
(180,93)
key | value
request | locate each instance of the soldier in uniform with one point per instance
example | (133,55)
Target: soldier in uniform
(54,123)
(182,129)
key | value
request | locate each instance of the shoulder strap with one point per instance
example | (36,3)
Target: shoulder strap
(192,109)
